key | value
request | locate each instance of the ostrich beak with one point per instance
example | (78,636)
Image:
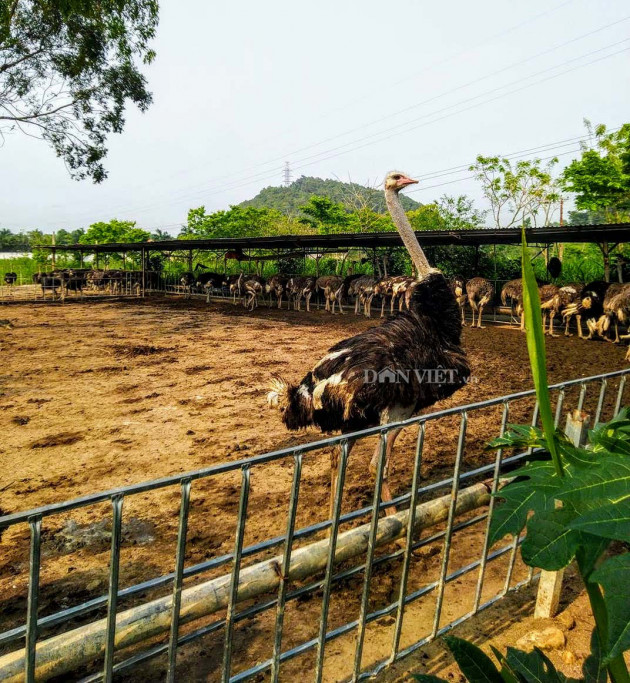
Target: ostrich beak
(405,180)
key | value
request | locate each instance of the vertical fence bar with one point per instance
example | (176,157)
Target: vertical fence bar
(600,402)
(112,598)
(449,525)
(495,485)
(33,596)
(180,556)
(559,405)
(236,570)
(580,405)
(332,547)
(407,556)
(369,558)
(535,414)
(286,563)
(618,402)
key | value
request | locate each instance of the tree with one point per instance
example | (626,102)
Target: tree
(114,231)
(517,193)
(426,217)
(459,213)
(324,215)
(600,179)
(68,69)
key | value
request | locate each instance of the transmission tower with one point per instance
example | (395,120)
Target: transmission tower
(286,174)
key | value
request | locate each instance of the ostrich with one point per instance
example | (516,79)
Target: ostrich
(299,287)
(617,309)
(10,278)
(458,287)
(513,290)
(590,303)
(337,394)
(568,295)
(276,285)
(480,293)
(332,286)
(362,288)
(253,286)
(549,305)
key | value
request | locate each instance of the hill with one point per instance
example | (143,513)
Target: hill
(352,195)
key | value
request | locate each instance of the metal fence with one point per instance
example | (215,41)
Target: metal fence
(115,651)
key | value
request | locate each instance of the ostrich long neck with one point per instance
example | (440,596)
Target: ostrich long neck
(406,232)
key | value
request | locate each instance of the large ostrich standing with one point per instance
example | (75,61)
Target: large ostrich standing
(340,393)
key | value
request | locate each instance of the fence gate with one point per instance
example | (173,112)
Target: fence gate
(336,599)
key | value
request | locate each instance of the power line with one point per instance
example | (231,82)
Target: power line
(269,173)
(402,128)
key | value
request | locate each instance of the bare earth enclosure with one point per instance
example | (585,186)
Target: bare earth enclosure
(99,395)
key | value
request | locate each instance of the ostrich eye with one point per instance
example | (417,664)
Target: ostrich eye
(396,177)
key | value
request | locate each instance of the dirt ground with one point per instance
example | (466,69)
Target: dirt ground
(97,395)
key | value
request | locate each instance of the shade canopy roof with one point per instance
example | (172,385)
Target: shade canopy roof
(614,232)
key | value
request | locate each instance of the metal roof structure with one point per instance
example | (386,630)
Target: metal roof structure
(614,232)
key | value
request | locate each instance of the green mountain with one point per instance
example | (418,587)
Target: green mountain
(352,195)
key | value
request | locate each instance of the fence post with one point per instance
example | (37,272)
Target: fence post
(550,584)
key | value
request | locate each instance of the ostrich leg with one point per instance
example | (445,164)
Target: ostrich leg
(578,322)
(334,474)
(386,494)
(479,314)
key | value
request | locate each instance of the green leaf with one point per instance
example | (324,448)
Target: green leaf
(533,667)
(550,544)
(507,674)
(610,520)
(589,553)
(606,482)
(537,353)
(521,496)
(474,663)
(594,669)
(614,577)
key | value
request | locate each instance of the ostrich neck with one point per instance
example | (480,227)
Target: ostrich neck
(406,233)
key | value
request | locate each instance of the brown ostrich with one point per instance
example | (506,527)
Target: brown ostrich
(568,295)
(513,292)
(340,394)
(299,288)
(617,310)
(332,286)
(458,287)
(549,305)
(480,293)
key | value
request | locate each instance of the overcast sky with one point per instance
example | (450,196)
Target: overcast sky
(339,89)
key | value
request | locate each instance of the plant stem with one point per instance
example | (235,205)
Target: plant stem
(616,667)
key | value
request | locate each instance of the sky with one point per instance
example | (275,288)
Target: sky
(345,90)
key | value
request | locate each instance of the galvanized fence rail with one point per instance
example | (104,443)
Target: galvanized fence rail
(29,636)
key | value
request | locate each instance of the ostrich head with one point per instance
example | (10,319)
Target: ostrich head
(295,403)
(396,180)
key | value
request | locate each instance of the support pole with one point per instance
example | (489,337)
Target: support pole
(144,270)
(550,584)
(68,651)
